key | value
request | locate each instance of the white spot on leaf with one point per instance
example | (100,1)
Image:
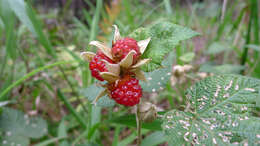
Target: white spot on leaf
(217,91)
(229,85)
(185,136)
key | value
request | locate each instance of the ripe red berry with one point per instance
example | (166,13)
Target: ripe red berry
(126,91)
(122,47)
(97,65)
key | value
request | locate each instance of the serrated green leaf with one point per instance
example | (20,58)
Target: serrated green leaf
(157,79)
(164,37)
(93,91)
(221,112)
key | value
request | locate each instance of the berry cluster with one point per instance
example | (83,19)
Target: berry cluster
(119,65)
(126,90)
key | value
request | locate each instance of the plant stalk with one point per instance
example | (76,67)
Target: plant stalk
(245,51)
(138,125)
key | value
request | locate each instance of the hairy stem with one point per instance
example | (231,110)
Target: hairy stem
(138,125)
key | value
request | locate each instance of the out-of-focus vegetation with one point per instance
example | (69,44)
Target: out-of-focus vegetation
(42,74)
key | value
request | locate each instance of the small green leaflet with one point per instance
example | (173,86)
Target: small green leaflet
(93,91)
(18,127)
(220,113)
(157,79)
(164,37)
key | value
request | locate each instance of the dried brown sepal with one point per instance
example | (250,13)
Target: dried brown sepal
(117,35)
(141,62)
(128,60)
(88,56)
(113,68)
(143,44)
(101,94)
(139,74)
(106,50)
(110,77)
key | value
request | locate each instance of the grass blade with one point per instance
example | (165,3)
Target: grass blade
(168,6)
(94,26)
(38,29)
(71,109)
(50,141)
(30,74)
(245,51)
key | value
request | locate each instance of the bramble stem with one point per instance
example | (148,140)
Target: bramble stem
(138,125)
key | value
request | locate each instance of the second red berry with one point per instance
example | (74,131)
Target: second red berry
(126,91)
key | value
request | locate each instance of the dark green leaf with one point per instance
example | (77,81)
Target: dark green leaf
(221,111)
(164,37)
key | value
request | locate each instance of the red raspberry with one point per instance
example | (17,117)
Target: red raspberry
(122,47)
(97,65)
(126,91)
